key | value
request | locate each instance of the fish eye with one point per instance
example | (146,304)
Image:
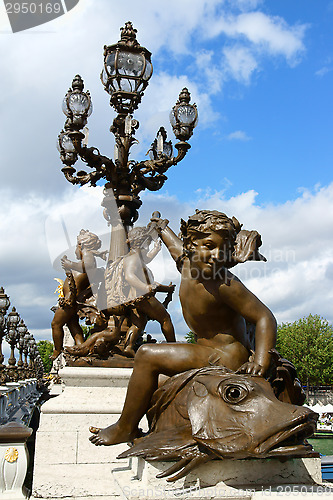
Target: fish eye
(233,393)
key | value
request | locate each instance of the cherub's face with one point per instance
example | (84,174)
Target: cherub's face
(144,247)
(209,254)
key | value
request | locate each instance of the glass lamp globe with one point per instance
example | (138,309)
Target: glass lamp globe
(22,329)
(13,318)
(4,301)
(184,116)
(127,70)
(66,149)
(77,105)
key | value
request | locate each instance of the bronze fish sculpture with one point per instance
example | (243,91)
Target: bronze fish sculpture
(211,412)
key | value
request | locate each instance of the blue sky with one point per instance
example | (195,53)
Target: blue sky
(261,74)
(283,110)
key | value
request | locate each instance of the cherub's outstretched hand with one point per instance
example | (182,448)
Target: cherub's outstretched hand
(66,263)
(103,255)
(251,368)
(157,245)
(157,222)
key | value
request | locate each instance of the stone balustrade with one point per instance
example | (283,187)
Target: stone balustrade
(18,402)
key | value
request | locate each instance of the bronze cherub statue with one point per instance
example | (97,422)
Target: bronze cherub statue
(215,305)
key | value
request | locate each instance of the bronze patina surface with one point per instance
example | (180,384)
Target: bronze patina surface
(211,412)
(215,305)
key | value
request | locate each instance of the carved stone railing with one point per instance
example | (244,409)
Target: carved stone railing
(21,390)
(18,402)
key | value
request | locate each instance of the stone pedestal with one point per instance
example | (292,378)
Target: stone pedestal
(67,465)
(13,463)
(249,479)
(13,460)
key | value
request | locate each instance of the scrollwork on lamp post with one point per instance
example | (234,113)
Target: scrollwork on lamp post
(125,76)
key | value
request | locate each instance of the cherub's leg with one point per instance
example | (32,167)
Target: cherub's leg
(139,321)
(150,361)
(75,329)
(60,318)
(155,310)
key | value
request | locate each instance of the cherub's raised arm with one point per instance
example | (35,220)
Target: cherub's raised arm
(153,252)
(87,263)
(169,238)
(172,242)
(67,265)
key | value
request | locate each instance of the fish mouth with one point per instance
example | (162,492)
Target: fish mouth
(291,440)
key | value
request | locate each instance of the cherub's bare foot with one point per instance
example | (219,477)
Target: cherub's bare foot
(54,355)
(129,352)
(111,435)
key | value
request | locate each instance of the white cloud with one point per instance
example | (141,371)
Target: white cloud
(246,4)
(251,37)
(238,135)
(214,73)
(323,71)
(239,63)
(267,34)
(272,34)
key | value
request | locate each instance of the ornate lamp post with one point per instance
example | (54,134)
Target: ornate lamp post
(125,76)
(4,304)
(32,348)
(39,368)
(12,338)
(22,330)
(25,352)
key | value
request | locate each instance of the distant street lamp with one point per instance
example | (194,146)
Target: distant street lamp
(4,304)
(125,76)
(22,330)
(27,337)
(12,338)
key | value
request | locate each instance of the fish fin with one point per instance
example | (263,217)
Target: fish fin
(190,465)
(163,444)
(174,468)
(163,396)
